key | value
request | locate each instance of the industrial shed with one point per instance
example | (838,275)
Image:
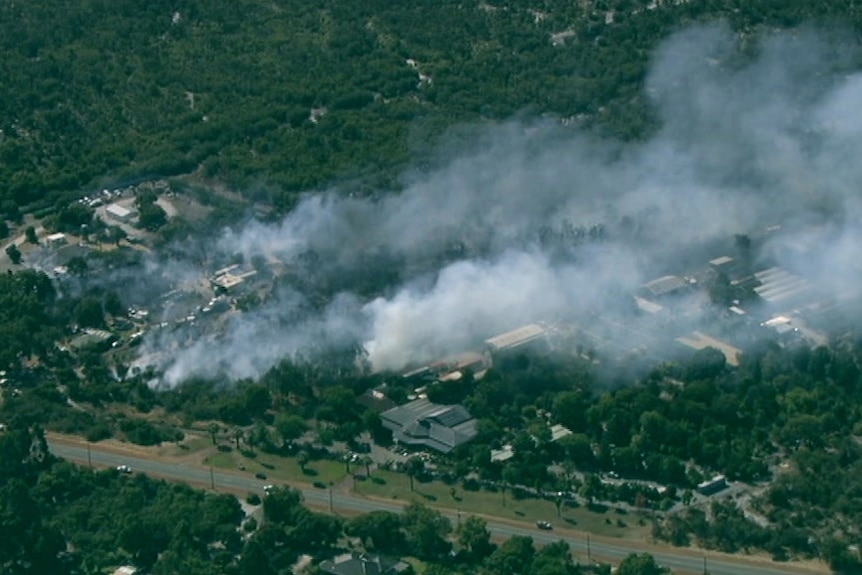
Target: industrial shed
(516,338)
(663,286)
(778,286)
(119,213)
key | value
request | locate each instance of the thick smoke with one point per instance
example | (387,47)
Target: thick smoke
(752,134)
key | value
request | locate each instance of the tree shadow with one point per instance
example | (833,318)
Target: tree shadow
(597,508)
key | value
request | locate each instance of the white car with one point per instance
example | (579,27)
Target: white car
(268,488)
(124,469)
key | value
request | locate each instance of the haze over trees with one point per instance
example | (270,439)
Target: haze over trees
(228,88)
(277,98)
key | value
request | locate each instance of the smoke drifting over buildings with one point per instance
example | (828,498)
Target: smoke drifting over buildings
(743,143)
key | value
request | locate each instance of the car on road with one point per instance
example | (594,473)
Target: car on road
(260,475)
(124,469)
(546,525)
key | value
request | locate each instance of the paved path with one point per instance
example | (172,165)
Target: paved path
(681,561)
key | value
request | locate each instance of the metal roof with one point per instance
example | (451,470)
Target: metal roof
(420,422)
(516,337)
(723,260)
(665,285)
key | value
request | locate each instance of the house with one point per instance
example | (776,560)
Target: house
(360,564)
(422,423)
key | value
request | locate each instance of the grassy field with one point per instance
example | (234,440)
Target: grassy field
(192,444)
(283,468)
(437,494)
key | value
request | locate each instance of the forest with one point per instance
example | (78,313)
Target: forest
(227,90)
(275,99)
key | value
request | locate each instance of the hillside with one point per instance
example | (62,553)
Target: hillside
(102,92)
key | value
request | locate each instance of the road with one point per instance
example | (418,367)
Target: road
(680,561)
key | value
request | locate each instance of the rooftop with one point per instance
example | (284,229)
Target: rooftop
(723,260)
(230,277)
(118,210)
(647,306)
(777,285)
(359,564)
(559,431)
(503,454)
(664,285)
(699,340)
(440,427)
(516,337)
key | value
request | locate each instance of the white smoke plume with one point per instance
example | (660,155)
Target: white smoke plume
(771,134)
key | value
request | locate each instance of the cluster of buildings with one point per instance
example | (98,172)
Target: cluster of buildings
(229,279)
(769,302)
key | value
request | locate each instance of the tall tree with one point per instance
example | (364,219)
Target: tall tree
(290,428)
(414,467)
(381,530)
(213,428)
(640,564)
(426,531)
(13,253)
(514,556)
(474,538)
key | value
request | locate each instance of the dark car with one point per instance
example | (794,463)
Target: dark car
(544,525)
(260,475)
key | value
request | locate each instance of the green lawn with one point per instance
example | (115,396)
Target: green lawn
(438,494)
(192,444)
(283,468)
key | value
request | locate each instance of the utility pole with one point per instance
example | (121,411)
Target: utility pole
(212,478)
(330,497)
(89,456)
(705,570)
(589,554)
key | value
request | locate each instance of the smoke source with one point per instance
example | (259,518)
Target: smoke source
(747,139)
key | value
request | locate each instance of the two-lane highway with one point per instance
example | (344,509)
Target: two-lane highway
(680,561)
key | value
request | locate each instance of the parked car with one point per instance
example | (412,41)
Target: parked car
(546,525)
(260,475)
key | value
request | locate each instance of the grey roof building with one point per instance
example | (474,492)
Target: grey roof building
(358,564)
(663,286)
(440,427)
(516,338)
